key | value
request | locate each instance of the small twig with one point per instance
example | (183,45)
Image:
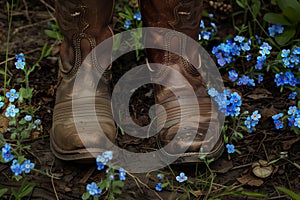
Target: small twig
(26,11)
(265,151)
(288,180)
(241,166)
(28,52)
(278,197)
(261,142)
(47,5)
(31,25)
(137,180)
(87,175)
(35,156)
(52,182)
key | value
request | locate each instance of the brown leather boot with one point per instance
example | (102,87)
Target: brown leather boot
(183,16)
(84,24)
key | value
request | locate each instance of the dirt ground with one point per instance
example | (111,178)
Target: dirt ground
(30,19)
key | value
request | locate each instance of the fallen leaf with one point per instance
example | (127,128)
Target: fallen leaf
(198,193)
(262,169)
(4,122)
(222,166)
(260,93)
(250,180)
(35,135)
(267,112)
(286,145)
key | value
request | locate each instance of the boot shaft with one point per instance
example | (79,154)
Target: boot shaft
(180,15)
(84,24)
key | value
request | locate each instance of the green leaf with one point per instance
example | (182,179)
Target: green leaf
(165,184)
(25,93)
(253,194)
(117,184)
(45,51)
(292,14)
(275,18)
(26,190)
(123,16)
(22,121)
(85,196)
(241,3)
(53,34)
(21,159)
(289,192)
(289,3)
(285,37)
(2,72)
(256,8)
(18,178)
(3,191)
(296,130)
(117,191)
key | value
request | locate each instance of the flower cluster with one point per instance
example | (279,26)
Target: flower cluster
(12,95)
(128,22)
(103,159)
(230,148)
(20,64)
(6,153)
(294,116)
(227,52)
(287,78)
(16,167)
(275,30)
(37,124)
(181,177)
(158,185)
(11,111)
(122,174)
(278,120)
(94,189)
(264,51)
(290,58)
(252,121)
(292,95)
(207,32)
(229,103)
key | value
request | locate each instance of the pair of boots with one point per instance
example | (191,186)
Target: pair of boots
(85,24)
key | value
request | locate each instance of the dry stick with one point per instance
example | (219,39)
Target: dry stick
(52,182)
(26,53)
(87,175)
(137,180)
(26,11)
(288,180)
(47,5)
(241,166)
(261,142)
(31,25)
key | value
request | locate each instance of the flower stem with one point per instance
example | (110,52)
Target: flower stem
(9,13)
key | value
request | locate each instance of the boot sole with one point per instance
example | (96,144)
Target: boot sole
(86,155)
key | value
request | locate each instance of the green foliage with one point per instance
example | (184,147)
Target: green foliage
(292,194)
(25,189)
(55,32)
(3,191)
(237,192)
(289,16)
(137,35)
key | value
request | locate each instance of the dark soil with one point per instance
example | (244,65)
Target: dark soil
(30,19)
